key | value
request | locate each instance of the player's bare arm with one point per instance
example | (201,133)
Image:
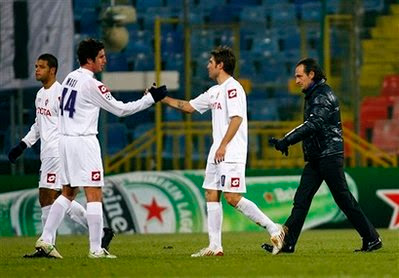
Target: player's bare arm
(179,104)
(235,123)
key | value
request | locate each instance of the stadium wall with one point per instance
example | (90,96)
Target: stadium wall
(173,202)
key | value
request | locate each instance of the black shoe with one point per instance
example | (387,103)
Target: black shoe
(107,237)
(37,254)
(370,245)
(285,249)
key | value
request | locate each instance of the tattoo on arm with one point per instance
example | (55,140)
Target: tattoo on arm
(180,104)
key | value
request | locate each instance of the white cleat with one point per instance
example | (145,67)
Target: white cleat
(205,252)
(278,240)
(102,254)
(48,249)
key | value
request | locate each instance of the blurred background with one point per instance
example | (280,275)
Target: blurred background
(168,41)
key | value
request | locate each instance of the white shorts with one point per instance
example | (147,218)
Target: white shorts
(226,177)
(81,163)
(49,173)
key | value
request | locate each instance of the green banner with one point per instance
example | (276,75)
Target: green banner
(170,202)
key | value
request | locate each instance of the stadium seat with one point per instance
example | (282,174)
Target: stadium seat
(144,62)
(289,39)
(267,46)
(142,5)
(283,15)
(390,86)
(311,12)
(89,22)
(171,114)
(373,109)
(116,136)
(263,110)
(395,114)
(386,136)
(252,15)
(373,5)
(116,62)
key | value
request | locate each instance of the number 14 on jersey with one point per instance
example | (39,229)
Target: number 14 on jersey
(70,103)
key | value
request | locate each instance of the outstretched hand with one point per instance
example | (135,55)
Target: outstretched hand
(280,145)
(158,93)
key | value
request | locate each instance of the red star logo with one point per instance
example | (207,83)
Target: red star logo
(391,196)
(154,210)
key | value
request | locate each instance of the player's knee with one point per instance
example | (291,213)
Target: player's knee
(70,192)
(232,198)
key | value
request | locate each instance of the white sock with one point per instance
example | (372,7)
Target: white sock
(45,212)
(250,210)
(95,220)
(215,220)
(78,214)
(54,219)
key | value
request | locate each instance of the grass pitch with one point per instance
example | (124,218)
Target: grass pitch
(320,253)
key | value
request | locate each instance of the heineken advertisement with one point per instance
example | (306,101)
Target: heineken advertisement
(170,202)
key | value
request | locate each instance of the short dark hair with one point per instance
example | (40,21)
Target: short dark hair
(225,54)
(311,64)
(52,61)
(88,49)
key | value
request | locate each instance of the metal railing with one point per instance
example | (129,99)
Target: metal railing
(140,155)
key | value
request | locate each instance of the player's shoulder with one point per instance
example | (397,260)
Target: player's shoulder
(232,85)
(213,88)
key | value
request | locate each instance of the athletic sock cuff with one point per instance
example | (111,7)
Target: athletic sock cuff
(94,208)
(63,201)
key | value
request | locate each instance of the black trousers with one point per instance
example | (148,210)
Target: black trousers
(331,170)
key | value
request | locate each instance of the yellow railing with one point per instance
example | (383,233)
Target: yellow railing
(369,154)
(141,154)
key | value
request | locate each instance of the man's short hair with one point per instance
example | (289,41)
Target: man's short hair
(88,49)
(311,64)
(52,61)
(225,54)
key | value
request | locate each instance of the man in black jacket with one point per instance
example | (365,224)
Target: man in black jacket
(323,150)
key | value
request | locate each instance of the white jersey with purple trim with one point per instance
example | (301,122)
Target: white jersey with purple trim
(226,100)
(81,100)
(45,127)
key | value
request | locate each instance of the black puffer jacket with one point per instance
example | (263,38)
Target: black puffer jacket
(321,131)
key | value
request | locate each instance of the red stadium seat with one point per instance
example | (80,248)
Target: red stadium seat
(395,114)
(373,109)
(390,86)
(386,136)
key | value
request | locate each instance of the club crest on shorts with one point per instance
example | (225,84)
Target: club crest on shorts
(51,178)
(232,93)
(222,180)
(95,175)
(235,182)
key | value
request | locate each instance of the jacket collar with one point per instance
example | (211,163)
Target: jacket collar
(309,91)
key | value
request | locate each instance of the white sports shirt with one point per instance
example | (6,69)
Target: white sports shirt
(45,127)
(81,100)
(226,100)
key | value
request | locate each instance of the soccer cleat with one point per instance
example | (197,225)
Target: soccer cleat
(370,245)
(102,254)
(36,254)
(285,249)
(278,240)
(48,249)
(205,252)
(107,237)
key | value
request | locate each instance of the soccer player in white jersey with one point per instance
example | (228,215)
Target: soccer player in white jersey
(225,169)
(45,128)
(81,164)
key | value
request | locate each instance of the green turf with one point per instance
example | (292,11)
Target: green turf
(320,253)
